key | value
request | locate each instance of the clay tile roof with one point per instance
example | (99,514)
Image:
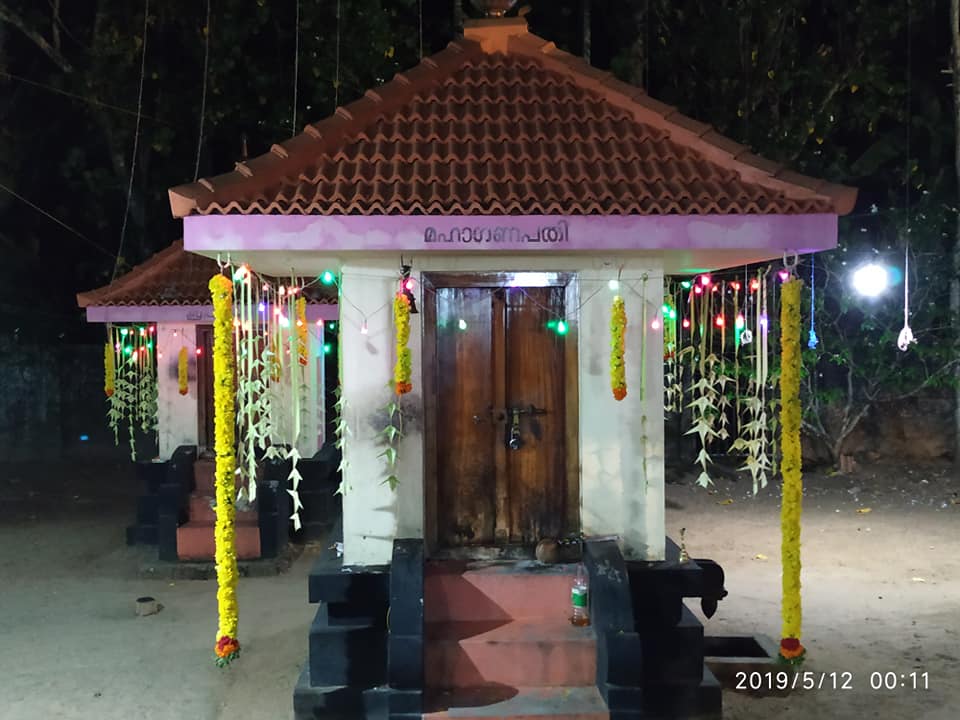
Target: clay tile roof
(171,277)
(529,130)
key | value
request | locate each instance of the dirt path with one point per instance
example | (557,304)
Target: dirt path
(882,593)
(881,589)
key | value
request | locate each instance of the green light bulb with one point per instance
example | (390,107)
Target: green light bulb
(327,277)
(562,327)
(462,324)
(685,284)
(327,347)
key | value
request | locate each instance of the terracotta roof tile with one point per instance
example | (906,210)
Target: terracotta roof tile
(530,131)
(171,277)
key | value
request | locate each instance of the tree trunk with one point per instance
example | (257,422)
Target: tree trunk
(955,278)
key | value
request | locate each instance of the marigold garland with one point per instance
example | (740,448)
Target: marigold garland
(402,371)
(618,328)
(109,370)
(227,647)
(302,330)
(182,378)
(790,466)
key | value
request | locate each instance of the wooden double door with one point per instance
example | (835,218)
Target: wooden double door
(501,410)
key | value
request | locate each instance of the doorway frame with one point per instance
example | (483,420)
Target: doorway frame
(430,282)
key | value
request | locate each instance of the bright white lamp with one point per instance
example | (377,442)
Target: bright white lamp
(871,280)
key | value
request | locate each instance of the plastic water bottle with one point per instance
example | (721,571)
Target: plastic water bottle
(580,598)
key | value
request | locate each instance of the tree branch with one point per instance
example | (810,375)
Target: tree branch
(9,16)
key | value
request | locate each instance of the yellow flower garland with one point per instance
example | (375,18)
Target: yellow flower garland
(302,330)
(182,378)
(618,328)
(227,647)
(109,370)
(790,466)
(402,371)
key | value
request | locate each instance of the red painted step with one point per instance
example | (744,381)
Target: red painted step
(518,653)
(509,703)
(201,512)
(195,541)
(457,591)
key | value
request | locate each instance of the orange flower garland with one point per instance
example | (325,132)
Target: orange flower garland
(790,467)
(182,377)
(618,328)
(109,370)
(402,371)
(227,647)
(302,330)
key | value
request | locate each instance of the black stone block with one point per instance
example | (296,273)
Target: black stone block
(151,474)
(623,658)
(621,698)
(347,655)
(675,654)
(329,703)
(628,714)
(167,537)
(703,700)
(405,661)
(148,507)
(405,703)
(330,581)
(406,588)
(610,599)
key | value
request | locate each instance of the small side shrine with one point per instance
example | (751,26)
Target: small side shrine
(158,367)
(498,222)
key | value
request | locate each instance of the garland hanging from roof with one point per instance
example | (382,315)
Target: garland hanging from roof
(227,647)
(790,648)
(618,328)
(183,385)
(109,370)
(402,371)
(130,382)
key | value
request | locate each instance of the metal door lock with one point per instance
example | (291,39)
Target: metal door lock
(514,440)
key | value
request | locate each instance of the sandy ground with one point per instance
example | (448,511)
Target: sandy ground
(882,593)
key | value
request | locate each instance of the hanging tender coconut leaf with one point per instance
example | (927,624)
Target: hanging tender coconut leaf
(703,480)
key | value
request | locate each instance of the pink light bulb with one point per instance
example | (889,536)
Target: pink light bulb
(686,323)
(698,290)
(705,280)
(655,324)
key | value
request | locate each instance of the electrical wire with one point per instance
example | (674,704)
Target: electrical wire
(136,141)
(203,95)
(57,220)
(296,68)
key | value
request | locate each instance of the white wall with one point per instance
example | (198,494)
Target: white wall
(621,443)
(176,413)
(622,495)
(373,514)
